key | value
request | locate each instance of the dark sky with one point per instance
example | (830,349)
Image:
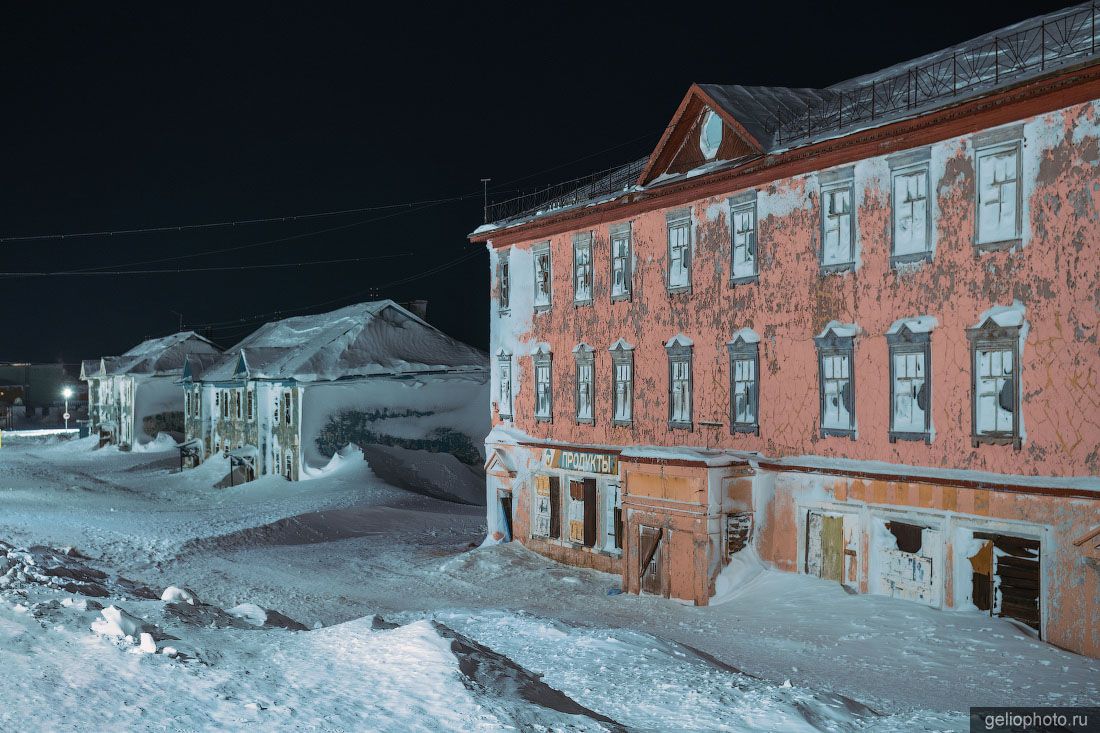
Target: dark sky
(119,117)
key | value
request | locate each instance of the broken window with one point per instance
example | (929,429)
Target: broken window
(620,261)
(679,249)
(582,268)
(622,362)
(237,403)
(837,225)
(543,394)
(541,254)
(744,388)
(912,219)
(910,563)
(225,405)
(998,194)
(836,384)
(910,384)
(996,383)
(743,229)
(505,283)
(585,365)
(679,384)
(504,370)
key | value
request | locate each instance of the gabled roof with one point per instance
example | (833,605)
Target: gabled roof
(195,365)
(359,340)
(160,356)
(89,368)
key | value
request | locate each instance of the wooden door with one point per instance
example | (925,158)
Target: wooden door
(649,560)
(555,508)
(825,546)
(590,511)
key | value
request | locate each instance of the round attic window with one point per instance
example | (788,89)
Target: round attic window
(710,135)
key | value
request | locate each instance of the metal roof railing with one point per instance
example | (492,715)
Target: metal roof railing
(611,180)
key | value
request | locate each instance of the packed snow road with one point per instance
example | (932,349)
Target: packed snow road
(412,629)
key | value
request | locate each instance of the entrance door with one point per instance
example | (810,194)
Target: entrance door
(649,560)
(825,546)
(506,510)
(1006,577)
(912,569)
(590,511)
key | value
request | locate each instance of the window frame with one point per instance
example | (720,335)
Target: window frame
(841,179)
(677,219)
(504,360)
(584,356)
(619,232)
(288,416)
(988,144)
(903,165)
(990,336)
(621,355)
(830,345)
(544,358)
(740,204)
(504,293)
(741,350)
(536,252)
(680,353)
(583,241)
(903,342)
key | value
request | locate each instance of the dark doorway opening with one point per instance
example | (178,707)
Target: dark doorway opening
(506,509)
(1007,578)
(590,512)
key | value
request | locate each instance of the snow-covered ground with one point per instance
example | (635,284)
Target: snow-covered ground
(411,628)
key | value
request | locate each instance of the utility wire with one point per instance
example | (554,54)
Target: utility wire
(84,273)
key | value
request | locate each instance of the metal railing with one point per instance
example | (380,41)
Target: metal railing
(1033,49)
(568,193)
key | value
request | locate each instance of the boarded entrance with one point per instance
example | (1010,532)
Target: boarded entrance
(832,546)
(1006,577)
(912,568)
(649,559)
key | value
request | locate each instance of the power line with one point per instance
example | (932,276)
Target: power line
(85,273)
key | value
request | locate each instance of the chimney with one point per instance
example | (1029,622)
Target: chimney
(418,308)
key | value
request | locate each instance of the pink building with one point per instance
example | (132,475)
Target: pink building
(852,330)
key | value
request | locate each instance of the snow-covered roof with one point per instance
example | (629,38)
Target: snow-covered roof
(678,340)
(160,356)
(89,368)
(621,345)
(842,330)
(1005,316)
(359,340)
(196,365)
(919,324)
(747,335)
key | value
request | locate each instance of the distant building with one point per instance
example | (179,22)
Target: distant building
(31,395)
(853,329)
(134,396)
(285,398)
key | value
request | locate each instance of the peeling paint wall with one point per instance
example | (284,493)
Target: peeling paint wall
(1055,273)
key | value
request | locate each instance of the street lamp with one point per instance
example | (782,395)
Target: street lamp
(66,393)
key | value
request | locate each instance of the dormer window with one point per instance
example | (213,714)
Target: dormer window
(710,135)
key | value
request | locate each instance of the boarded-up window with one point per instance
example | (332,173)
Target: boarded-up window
(555,508)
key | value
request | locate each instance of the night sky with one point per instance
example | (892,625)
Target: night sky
(130,117)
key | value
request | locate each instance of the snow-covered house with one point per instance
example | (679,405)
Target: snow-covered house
(851,330)
(284,399)
(136,395)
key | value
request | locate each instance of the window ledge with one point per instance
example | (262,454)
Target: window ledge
(504,311)
(999,246)
(543,418)
(896,435)
(909,258)
(836,267)
(678,289)
(582,303)
(586,421)
(622,423)
(541,308)
(677,425)
(838,433)
(745,428)
(744,280)
(996,439)
(625,297)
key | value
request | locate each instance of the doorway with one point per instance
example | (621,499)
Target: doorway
(649,560)
(1006,577)
(506,511)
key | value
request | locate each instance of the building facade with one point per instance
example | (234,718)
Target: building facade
(864,347)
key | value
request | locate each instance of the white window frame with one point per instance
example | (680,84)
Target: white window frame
(998,342)
(582,269)
(622,251)
(904,167)
(987,147)
(584,385)
(678,229)
(544,276)
(504,385)
(543,373)
(916,349)
(834,183)
(505,284)
(622,384)
(744,249)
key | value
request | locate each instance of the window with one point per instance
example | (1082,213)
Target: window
(286,407)
(995,352)
(679,381)
(744,387)
(585,365)
(541,254)
(289,466)
(743,232)
(187,405)
(710,134)
(544,402)
(504,371)
(505,283)
(910,206)
(275,410)
(910,383)
(582,268)
(621,265)
(225,405)
(613,519)
(679,249)
(251,403)
(837,220)
(622,362)
(834,347)
(998,196)
(547,506)
(237,403)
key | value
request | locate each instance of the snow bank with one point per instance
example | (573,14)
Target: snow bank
(163,442)
(249,612)
(744,566)
(438,475)
(118,622)
(347,458)
(173,594)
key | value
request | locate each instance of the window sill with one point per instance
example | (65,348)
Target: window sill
(675,425)
(896,435)
(504,312)
(744,280)
(999,246)
(541,308)
(586,420)
(624,298)
(582,303)
(835,268)
(838,433)
(622,423)
(910,258)
(745,428)
(999,439)
(678,290)
(543,418)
